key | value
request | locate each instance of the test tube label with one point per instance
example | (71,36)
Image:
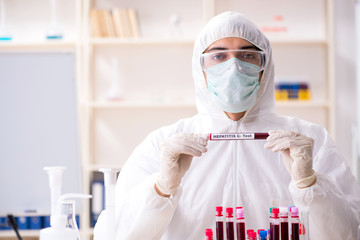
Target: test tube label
(235,136)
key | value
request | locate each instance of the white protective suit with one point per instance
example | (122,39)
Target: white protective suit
(234,173)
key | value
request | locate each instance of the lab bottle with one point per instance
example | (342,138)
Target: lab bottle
(275,224)
(294,211)
(219,223)
(240,224)
(229,224)
(208,234)
(284,223)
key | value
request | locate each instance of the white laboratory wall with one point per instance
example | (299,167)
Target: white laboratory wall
(345,74)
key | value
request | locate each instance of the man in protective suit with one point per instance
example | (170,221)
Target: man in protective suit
(171,184)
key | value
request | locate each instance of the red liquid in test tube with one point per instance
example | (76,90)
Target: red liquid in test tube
(240,224)
(294,223)
(236,136)
(284,224)
(275,231)
(219,223)
(271,224)
(229,224)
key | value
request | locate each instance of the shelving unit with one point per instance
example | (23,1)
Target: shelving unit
(114,128)
(154,71)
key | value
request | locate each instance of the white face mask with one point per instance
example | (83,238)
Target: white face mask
(232,87)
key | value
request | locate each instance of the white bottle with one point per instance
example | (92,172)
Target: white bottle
(58,230)
(105,230)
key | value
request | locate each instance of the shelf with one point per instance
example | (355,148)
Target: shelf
(152,41)
(41,45)
(138,41)
(279,41)
(307,104)
(96,167)
(23,233)
(123,104)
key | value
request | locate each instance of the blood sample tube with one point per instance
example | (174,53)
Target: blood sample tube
(275,232)
(271,224)
(240,224)
(208,234)
(229,224)
(248,233)
(219,223)
(304,220)
(284,223)
(252,236)
(295,223)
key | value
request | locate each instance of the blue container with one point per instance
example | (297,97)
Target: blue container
(22,222)
(35,222)
(3,223)
(45,221)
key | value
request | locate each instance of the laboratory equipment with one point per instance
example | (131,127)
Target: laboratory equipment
(59,223)
(116,91)
(208,234)
(304,220)
(275,224)
(229,224)
(54,31)
(284,223)
(236,136)
(240,224)
(294,211)
(219,223)
(175,28)
(4,32)
(108,213)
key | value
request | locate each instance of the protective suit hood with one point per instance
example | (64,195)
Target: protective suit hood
(232,24)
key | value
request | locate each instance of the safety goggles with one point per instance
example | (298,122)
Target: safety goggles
(211,59)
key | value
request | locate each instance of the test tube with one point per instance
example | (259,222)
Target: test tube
(252,236)
(294,223)
(236,136)
(271,224)
(304,219)
(248,233)
(208,234)
(219,223)
(284,223)
(229,224)
(240,224)
(275,232)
